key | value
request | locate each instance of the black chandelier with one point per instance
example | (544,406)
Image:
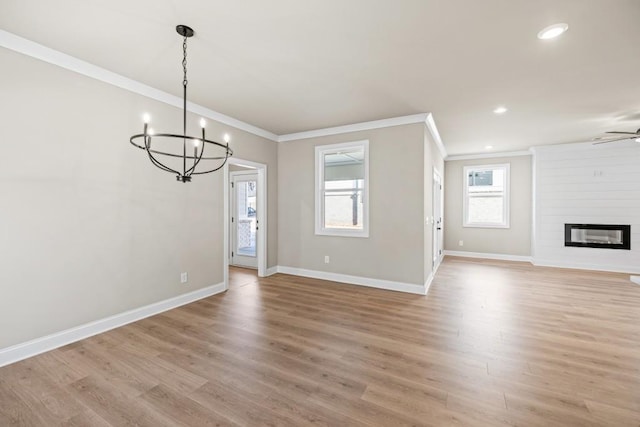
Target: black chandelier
(183,164)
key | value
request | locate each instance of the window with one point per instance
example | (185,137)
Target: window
(486,196)
(342,187)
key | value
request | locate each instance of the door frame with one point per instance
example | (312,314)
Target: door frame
(233,176)
(261,247)
(438,220)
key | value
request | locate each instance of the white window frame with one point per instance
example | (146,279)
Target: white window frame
(321,151)
(506,195)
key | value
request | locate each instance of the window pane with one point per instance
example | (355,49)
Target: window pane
(480,178)
(491,181)
(486,210)
(344,184)
(343,209)
(344,165)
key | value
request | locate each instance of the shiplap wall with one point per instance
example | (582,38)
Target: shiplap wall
(586,184)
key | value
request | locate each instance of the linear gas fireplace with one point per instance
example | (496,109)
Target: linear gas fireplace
(604,236)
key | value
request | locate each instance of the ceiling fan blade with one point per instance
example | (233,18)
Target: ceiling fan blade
(606,141)
(623,133)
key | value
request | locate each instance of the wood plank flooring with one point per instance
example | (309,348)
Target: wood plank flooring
(494,343)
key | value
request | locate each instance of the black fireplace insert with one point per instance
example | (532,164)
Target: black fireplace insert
(604,236)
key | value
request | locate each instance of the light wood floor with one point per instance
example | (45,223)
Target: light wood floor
(493,343)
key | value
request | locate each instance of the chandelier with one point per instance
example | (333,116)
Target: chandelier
(182,155)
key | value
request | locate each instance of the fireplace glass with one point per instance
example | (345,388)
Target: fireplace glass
(583,235)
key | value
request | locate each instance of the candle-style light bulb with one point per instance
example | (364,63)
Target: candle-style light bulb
(196,142)
(203,123)
(150,131)
(146,118)
(227,138)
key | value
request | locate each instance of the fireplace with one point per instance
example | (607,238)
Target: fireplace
(604,236)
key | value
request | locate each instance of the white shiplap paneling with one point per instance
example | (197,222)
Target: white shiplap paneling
(584,183)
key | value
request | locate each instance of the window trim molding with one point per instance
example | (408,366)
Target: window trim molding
(507,195)
(320,230)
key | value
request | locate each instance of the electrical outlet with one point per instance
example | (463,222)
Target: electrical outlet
(184,277)
(460,243)
(326,259)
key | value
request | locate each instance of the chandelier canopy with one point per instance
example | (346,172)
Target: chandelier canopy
(183,155)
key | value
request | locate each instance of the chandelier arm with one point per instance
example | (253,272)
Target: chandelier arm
(159,165)
(155,161)
(197,160)
(212,170)
(188,157)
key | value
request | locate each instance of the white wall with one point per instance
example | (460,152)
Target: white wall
(512,241)
(89,228)
(586,184)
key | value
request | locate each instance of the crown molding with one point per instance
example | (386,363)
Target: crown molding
(431,125)
(52,56)
(490,155)
(355,127)
(565,147)
(35,50)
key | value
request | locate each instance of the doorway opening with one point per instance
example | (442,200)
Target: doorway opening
(245,216)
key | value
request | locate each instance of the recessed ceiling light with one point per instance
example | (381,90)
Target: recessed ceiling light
(637,139)
(488,147)
(500,110)
(552,31)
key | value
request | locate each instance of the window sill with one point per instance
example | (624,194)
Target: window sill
(486,225)
(342,233)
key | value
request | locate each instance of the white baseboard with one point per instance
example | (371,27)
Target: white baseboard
(432,275)
(503,257)
(271,271)
(427,283)
(547,263)
(37,346)
(634,269)
(355,280)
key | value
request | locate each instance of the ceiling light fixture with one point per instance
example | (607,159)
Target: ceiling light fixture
(500,110)
(488,147)
(184,165)
(552,31)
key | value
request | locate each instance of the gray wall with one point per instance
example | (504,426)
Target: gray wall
(515,240)
(395,248)
(89,227)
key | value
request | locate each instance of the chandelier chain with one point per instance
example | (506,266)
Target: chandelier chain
(184,61)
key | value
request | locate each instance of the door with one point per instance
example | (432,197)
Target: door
(437,218)
(244,219)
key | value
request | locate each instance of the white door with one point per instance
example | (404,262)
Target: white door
(244,219)
(437,218)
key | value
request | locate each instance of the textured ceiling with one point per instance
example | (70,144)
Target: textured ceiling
(289,65)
